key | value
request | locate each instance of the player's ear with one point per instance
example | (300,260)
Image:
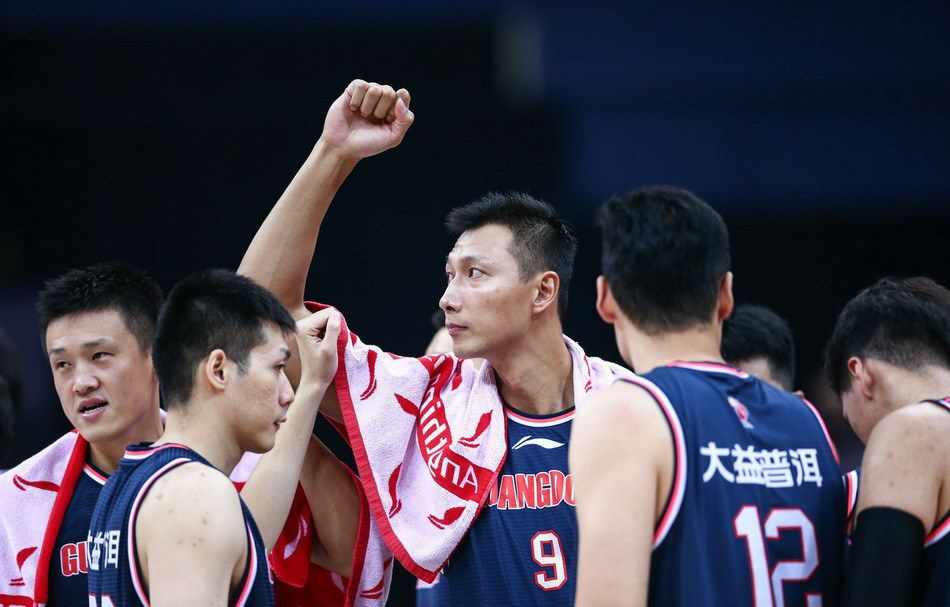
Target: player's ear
(860,373)
(546,290)
(606,304)
(724,300)
(215,369)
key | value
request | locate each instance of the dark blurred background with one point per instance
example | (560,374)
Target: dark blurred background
(161,135)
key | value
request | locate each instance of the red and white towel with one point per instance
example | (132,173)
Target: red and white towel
(32,495)
(429,436)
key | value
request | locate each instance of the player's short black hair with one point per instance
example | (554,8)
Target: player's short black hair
(664,254)
(206,311)
(104,286)
(903,322)
(758,332)
(540,241)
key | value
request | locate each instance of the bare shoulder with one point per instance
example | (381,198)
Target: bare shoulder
(916,432)
(616,415)
(190,502)
(905,463)
(622,406)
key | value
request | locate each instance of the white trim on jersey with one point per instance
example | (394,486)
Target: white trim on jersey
(130,530)
(94,474)
(539,423)
(710,367)
(679,444)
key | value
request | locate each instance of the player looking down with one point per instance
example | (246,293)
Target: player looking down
(889,361)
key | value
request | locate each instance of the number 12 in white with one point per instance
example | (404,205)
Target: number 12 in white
(767,586)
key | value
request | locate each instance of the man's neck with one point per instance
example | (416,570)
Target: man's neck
(535,375)
(106,455)
(647,352)
(910,387)
(206,436)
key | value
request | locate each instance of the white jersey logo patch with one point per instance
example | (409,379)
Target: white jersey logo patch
(546,443)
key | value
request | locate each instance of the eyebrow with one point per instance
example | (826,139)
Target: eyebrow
(95,343)
(470,258)
(286,352)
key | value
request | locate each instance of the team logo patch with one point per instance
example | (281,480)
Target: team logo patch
(742,412)
(546,443)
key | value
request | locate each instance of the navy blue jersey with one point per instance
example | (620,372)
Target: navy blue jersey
(113,565)
(69,563)
(757,509)
(522,549)
(936,569)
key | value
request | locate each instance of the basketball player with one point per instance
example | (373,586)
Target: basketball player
(507,286)
(169,526)
(97,324)
(758,341)
(891,349)
(696,484)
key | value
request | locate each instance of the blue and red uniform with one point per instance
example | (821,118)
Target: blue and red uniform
(522,549)
(69,562)
(757,509)
(113,564)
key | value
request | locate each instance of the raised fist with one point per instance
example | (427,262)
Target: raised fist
(367,119)
(316,340)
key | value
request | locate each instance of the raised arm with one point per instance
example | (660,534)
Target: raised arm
(367,119)
(269,491)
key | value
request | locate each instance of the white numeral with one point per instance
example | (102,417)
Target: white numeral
(547,552)
(767,588)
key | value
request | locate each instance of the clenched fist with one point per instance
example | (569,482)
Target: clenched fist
(367,119)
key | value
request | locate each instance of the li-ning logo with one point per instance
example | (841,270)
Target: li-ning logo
(540,442)
(741,412)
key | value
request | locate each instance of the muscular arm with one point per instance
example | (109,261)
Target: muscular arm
(365,120)
(335,504)
(191,538)
(621,457)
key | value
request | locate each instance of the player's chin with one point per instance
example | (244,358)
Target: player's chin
(467,348)
(264,442)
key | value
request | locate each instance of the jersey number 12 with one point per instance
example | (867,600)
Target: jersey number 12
(767,585)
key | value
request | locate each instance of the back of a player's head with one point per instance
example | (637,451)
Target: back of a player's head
(757,332)
(903,322)
(665,252)
(104,286)
(206,311)
(540,241)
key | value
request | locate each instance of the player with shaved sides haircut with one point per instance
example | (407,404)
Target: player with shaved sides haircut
(169,527)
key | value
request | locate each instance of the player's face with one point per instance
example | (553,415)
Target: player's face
(105,383)
(486,304)
(263,393)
